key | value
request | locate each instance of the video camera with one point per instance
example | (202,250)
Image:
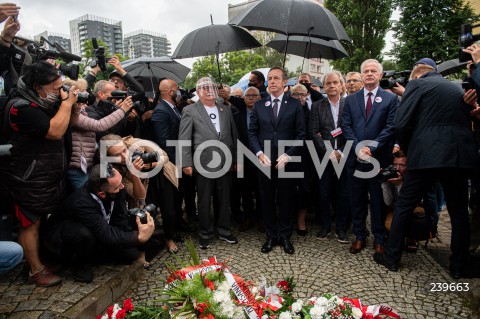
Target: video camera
(99,53)
(137,98)
(38,52)
(391,78)
(141,213)
(466,39)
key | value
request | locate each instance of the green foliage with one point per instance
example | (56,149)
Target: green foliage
(429,28)
(366,23)
(390,65)
(89,51)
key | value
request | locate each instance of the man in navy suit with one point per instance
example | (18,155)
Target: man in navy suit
(367,118)
(276,118)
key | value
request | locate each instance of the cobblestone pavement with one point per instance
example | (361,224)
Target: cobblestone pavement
(320,266)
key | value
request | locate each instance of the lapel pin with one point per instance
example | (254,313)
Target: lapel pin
(267,103)
(378,99)
(285,102)
(221,110)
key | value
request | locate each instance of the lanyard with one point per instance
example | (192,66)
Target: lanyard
(105,216)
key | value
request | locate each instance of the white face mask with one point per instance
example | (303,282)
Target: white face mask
(50,99)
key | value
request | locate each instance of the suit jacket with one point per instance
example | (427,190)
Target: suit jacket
(290,125)
(433,125)
(322,125)
(196,126)
(166,125)
(377,127)
(240,117)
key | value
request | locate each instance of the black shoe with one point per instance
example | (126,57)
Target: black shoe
(323,233)
(287,246)
(83,273)
(204,243)
(268,245)
(380,259)
(229,239)
(342,237)
(457,273)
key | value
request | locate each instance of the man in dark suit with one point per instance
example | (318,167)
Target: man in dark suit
(207,121)
(368,119)
(325,121)
(434,130)
(313,95)
(165,124)
(276,118)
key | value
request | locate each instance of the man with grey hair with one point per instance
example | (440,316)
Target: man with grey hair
(210,128)
(368,117)
(354,82)
(325,121)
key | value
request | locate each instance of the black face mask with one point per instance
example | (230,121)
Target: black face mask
(252,84)
(307,85)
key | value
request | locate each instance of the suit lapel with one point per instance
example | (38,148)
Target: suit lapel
(204,115)
(266,103)
(340,111)
(165,104)
(223,119)
(283,108)
(328,111)
(361,102)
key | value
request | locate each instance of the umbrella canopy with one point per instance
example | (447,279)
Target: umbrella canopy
(214,39)
(308,47)
(292,17)
(451,66)
(156,68)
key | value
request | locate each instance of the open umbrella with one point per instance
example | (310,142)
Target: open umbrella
(214,39)
(451,66)
(150,70)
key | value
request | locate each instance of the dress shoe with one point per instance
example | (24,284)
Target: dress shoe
(357,246)
(287,246)
(380,259)
(379,248)
(268,245)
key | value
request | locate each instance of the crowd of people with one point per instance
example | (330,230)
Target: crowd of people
(81,173)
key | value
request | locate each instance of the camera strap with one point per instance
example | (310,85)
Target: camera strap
(105,216)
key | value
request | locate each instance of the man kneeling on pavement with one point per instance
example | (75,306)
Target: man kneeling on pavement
(93,224)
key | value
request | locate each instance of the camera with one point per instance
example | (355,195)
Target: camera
(136,99)
(99,53)
(186,95)
(388,173)
(391,78)
(82,97)
(466,39)
(142,213)
(147,158)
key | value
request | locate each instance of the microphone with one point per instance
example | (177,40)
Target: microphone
(69,56)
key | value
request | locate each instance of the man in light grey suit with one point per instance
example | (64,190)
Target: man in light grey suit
(211,129)
(325,121)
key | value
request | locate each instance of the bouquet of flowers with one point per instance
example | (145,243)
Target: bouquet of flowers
(208,290)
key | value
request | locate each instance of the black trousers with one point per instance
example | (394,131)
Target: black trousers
(243,191)
(277,192)
(417,183)
(168,194)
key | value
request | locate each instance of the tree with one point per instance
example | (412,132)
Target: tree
(366,23)
(429,28)
(390,65)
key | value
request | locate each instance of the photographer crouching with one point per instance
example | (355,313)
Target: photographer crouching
(35,120)
(94,221)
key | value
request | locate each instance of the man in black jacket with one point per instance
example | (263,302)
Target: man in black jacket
(94,221)
(433,129)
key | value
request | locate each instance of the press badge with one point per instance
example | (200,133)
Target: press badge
(336,132)
(83,164)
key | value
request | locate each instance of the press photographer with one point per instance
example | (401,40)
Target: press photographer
(93,224)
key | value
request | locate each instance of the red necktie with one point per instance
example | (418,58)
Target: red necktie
(369,103)
(275,109)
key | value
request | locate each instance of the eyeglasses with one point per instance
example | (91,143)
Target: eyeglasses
(353,80)
(299,94)
(251,95)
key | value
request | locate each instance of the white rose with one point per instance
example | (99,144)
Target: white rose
(285,315)
(340,301)
(265,317)
(321,301)
(297,306)
(357,313)
(254,290)
(317,312)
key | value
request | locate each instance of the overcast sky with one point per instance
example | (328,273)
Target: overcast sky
(175,18)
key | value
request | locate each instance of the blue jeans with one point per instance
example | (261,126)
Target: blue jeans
(11,254)
(76,177)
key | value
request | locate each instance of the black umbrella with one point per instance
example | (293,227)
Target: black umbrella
(150,70)
(451,66)
(214,39)
(307,47)
(292,17)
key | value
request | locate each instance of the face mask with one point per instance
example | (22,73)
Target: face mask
(51,98)
(252,84)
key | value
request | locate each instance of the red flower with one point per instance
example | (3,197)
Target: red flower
(110,312)
(209,284)
(210,316)
(121,314)
(128,305)
(283,285)
(201,307)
